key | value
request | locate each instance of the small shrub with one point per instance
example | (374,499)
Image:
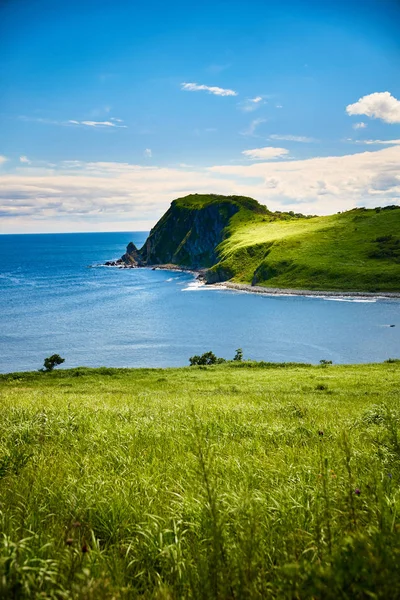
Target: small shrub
(194,360)
(239,355)
(325,363)
(208,358)
(52,361)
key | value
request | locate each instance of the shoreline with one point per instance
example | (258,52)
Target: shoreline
(258,289)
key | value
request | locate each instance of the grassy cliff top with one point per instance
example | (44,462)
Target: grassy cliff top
(200,201)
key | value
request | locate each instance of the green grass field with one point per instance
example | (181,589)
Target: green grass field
(234,481)
(358,250)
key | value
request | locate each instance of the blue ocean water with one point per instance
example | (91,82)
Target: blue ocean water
(52,302)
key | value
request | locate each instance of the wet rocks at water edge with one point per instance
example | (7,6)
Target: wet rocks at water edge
(119,263)
(130,260)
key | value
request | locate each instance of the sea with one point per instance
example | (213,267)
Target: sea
(56,297)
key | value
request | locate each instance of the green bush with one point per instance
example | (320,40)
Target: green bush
(52,361)
(208,358)
(239,355)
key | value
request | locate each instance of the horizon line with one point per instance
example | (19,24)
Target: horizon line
(72,232)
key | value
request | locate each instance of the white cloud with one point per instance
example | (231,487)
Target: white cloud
(76,195)
(3,159)
(379,142)
(110,123)
(253,126)
(325,184)
(217,91)
(278,106)
(360,125)
(25,160)
(292,138)
(148,153)
(380,105)
(266,153)
(251,104)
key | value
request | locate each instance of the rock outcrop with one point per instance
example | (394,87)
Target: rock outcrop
(132,256)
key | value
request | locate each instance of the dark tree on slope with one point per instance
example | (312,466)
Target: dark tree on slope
(239,355)
(208,358)
(52,361)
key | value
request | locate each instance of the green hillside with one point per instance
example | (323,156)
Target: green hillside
(235,481)
(354,250)
(236,238)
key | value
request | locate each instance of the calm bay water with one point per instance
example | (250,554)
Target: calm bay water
(51,302)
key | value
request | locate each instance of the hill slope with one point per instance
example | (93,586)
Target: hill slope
(355,250)
(238,239)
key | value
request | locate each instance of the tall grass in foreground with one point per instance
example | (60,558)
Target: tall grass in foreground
(211,482)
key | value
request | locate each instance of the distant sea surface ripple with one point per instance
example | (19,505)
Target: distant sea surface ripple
(51,302)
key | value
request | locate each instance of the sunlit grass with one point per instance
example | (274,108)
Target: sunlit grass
(325,253)
(204,482)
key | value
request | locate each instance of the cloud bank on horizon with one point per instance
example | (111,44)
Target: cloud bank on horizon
(326,136)
(89,194)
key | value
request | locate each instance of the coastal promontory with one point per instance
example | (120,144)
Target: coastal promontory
(237,239)
(191,231)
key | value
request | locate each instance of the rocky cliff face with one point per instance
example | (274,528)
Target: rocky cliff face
(188,237)
(189,232)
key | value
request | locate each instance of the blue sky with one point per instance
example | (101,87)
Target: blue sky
(109,110)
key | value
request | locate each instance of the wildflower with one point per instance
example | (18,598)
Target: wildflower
(85,548)
(69,541)
(320,433)
(357,492)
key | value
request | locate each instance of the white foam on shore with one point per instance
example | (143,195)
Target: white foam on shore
(363,300)
(282,294)
(196,286)
(317,296)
